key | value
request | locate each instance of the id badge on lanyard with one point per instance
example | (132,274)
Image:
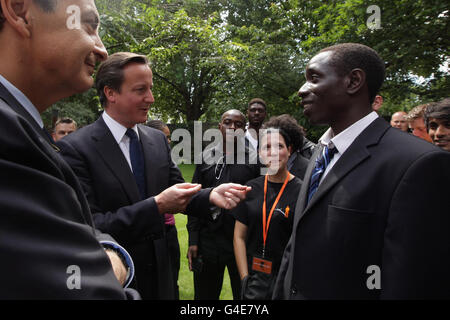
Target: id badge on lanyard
(261,264)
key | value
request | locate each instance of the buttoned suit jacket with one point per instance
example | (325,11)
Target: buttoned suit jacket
(378,226)
(116,204)
(46,229)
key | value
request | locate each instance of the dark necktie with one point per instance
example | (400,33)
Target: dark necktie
(322,163)
(137,162)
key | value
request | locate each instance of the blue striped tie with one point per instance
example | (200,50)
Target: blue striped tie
(322,163)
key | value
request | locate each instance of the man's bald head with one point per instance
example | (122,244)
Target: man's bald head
(233,112)
(232,120)
(399,121)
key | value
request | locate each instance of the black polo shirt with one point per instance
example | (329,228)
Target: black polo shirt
(250,213)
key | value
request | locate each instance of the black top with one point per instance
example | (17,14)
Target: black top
(250,213)
(215,236)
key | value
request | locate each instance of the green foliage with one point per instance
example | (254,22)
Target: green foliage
(83,108)
(413,40)
(209,56)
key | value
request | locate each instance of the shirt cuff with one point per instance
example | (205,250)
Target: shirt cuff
(125,256)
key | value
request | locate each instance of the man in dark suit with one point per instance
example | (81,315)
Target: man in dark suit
(48,245)
(369,224)
(128,175)
(211,241)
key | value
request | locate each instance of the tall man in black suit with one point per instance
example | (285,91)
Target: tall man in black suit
(128,175)
(369,224)
(48,246)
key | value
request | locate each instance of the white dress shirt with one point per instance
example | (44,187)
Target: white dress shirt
(119,133)
(345,139)
(252,140)
(23,100)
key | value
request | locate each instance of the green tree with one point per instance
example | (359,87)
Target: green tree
(413,40)
(209,56)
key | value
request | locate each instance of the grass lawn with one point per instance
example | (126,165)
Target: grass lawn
(185,280)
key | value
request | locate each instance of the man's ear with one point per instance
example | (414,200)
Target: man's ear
(110,94)
(378,103)
(16,14)
(355,81)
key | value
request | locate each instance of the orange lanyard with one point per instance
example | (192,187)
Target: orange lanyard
(266,223)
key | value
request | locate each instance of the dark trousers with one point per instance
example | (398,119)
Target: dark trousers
(208,283)
(174,255)
(146,279)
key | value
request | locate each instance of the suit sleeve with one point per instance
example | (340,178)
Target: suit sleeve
(142,217)
(41,244)
(47,250)
(416,255)
(193,224)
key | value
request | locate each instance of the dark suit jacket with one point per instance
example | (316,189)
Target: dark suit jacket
(45,222)
(385,203)
(114,199)
(298,164)
(215,238)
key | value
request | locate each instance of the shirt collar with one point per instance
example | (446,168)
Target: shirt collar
(344,140)
(117,130)
(23,100)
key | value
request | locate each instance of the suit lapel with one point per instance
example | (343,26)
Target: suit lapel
(149,148)
(355,154)
(47,143)
(112,155)
(301,201)
(17,107)
(345,164)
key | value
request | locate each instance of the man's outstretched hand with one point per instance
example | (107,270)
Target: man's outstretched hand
(176,198)
(228,196)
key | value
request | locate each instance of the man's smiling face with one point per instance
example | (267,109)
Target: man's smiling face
(323,94)
(67,55)
(439,131)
